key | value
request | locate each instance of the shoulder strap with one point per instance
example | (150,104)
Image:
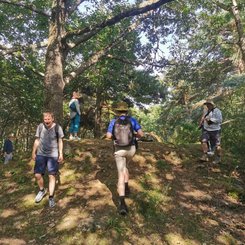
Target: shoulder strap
(41,126)
(57,131)
(209,112)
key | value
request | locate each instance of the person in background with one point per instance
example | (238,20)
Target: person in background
(75,116)
(210,143)
(8,149)
(123,154)
(211,131)
(47,153)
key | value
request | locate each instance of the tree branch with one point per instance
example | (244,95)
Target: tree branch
(137,63)
(98,55)
(4,50)
(90,31)
(26,6)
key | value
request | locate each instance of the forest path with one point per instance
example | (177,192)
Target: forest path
(175,199)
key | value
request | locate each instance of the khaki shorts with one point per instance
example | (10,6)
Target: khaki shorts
(123,155)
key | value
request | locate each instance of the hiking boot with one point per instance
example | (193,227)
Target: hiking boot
(40,196)
(204,158)
(217,160)
(51,202)
(123,210)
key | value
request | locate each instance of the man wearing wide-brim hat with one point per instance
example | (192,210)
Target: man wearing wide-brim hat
(124,148)
(211,131)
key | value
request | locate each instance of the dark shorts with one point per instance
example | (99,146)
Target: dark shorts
(212,136)
(43,162)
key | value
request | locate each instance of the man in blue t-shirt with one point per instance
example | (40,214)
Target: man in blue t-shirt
(123,154)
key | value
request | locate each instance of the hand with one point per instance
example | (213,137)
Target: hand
(33,156)
(60,158)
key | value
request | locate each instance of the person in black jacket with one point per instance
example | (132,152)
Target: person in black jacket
(8,149)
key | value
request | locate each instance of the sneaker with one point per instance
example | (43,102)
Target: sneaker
(204,158)
(77,138)
(51,202)
(40,196)
(210,153)
(123,210)
(71,138)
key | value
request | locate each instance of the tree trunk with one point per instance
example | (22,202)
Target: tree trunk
(54,83)
(97,119)
(241,36)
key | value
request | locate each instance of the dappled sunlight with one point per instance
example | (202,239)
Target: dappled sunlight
(196,194)
(64,202)
(177,239)
(173,158)
(139,159)
(136,186)
(210,222)
(27,201)
(226,239)
(8,212)
(144,240)
(169,176)
(170,202)
(71,219)
(69,175)
(12,241)
(150,157)
(98,195)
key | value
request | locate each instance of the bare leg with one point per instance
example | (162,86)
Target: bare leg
(40,181)
(51,184)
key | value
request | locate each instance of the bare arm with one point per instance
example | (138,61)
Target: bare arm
(34,149)
(139,133)
(108,135)
(60,146)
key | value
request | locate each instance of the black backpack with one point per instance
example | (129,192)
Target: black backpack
(73,107)
(123,132)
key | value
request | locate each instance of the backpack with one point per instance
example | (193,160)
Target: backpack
(123,132)
(73,107)
(56,128)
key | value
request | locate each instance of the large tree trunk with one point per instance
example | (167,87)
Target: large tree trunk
(241,36)
(97,119)
(54,83)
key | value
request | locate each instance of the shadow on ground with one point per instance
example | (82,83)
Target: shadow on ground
(175,199)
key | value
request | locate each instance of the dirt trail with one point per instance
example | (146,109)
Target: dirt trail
(174,199)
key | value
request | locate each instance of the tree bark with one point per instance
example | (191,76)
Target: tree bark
(54,83)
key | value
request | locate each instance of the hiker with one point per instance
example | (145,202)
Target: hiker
(124,148)
(8,149)
(75,116)
(210,143)
(47,153)
(211,131)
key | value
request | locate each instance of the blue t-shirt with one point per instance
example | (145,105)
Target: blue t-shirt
(136,126)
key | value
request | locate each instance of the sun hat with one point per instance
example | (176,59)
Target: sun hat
(122,106)
(209,102)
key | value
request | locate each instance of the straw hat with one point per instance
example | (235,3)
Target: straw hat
(209,102)
(122,106)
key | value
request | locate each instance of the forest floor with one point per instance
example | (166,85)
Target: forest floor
(175,199)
